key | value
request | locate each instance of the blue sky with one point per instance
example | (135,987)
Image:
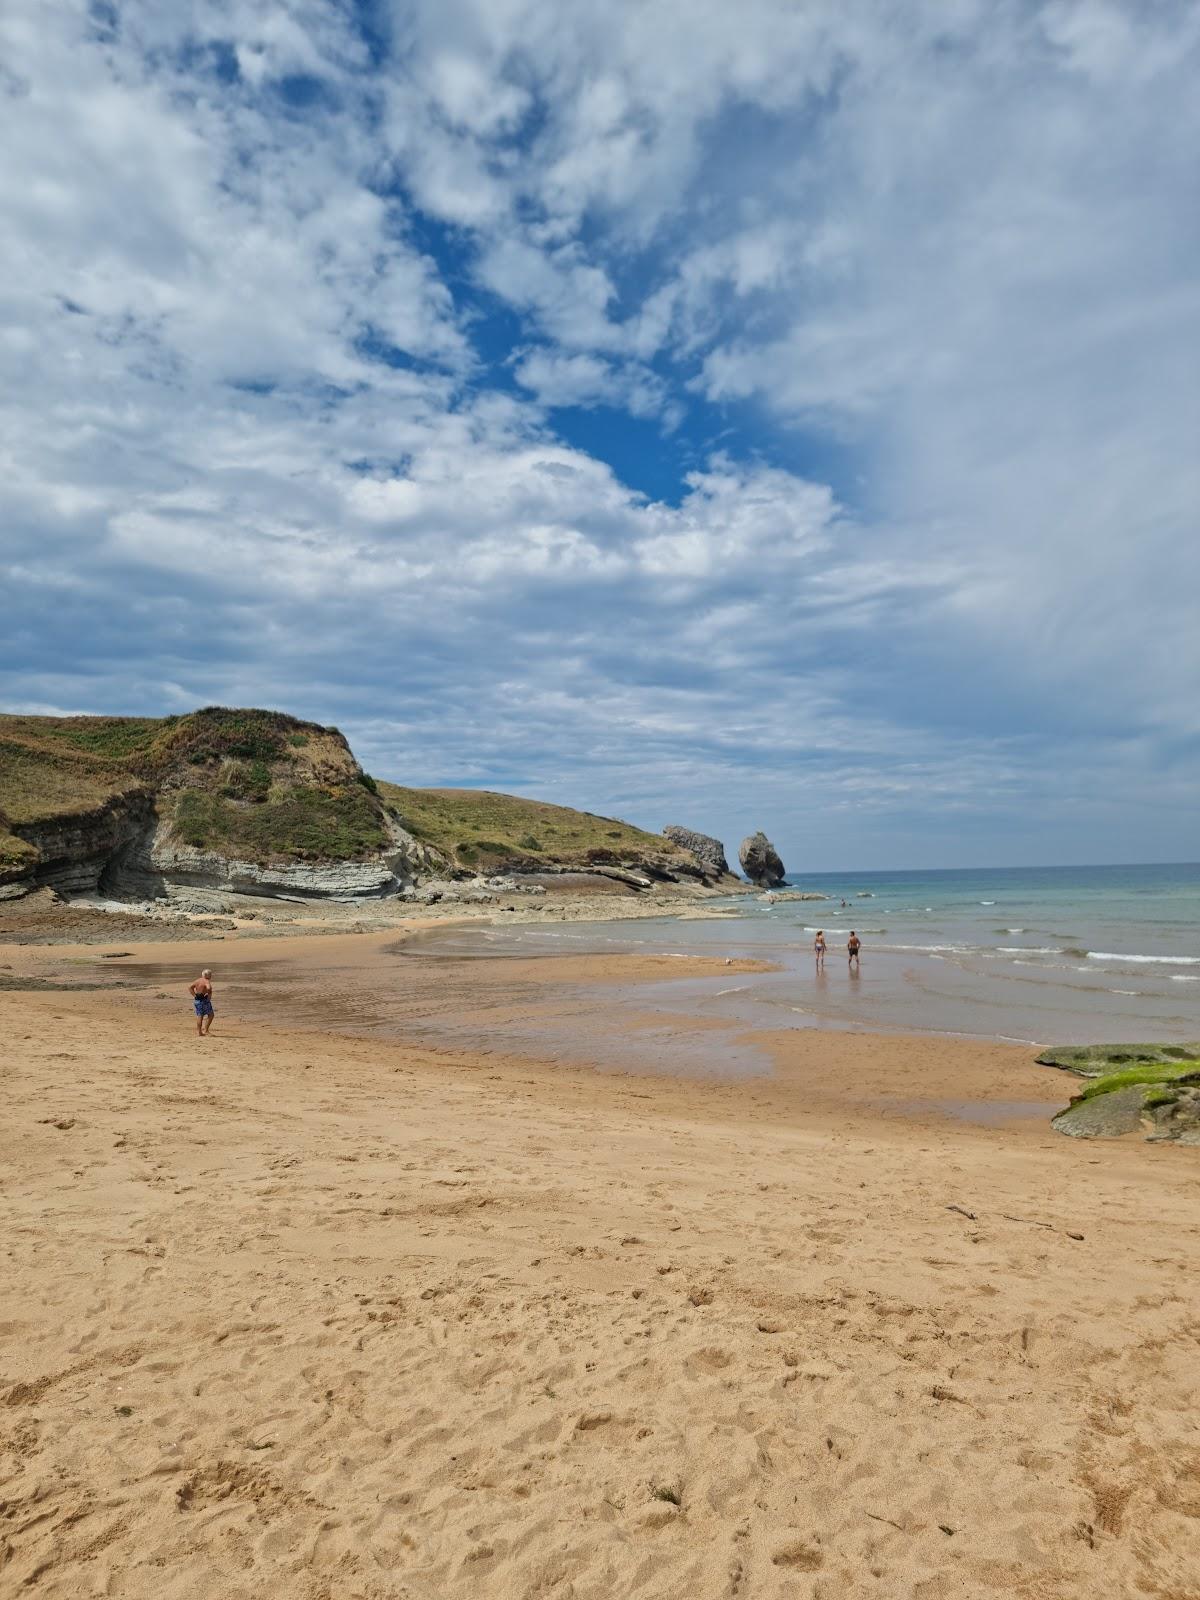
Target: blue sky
(773,416)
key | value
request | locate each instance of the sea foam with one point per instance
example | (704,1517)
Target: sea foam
(1158,961)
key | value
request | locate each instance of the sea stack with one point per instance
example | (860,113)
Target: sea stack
(760,862)
(709,852)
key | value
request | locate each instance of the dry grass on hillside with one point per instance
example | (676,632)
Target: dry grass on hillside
(479,827)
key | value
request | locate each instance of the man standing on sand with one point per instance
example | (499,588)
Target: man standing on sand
(202,999)
(853,946)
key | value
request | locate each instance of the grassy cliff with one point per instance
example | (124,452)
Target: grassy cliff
(478,829)
(256,785)
(263,787)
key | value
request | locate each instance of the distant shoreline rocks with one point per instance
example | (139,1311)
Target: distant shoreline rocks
(709,852)
(761,862)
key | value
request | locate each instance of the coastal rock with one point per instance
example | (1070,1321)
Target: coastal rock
(1107,1116)
(71,854)
(155,864)
(709,852)
(1098,1060)
(1176,1114)
(760,861)
(1150,1089)
(1165,1113)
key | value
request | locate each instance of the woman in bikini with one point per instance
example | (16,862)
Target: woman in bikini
(819,949)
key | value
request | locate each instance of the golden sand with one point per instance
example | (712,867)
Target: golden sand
(292,1314)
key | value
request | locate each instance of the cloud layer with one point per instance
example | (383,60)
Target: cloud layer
(325,349)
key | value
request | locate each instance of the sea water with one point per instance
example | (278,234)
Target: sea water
(1036,955)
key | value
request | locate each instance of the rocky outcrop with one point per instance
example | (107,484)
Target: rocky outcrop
(709,852)
(73,852)
(1152,1089)
(156,865)
(760,861)
(1164,1113)
(125,851)
(1098,1060)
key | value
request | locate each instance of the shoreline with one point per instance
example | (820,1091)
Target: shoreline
(321,987)
(45,919)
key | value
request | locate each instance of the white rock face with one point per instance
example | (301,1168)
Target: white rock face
(157,864)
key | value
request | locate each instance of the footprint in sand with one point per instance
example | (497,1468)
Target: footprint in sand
(710,1359)
(799,1555)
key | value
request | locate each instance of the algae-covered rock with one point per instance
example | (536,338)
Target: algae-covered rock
(1176,1115)
(1159,1099)
(1106,1116)
(1095,1060)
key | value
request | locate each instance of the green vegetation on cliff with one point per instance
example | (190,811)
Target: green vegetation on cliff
(479,829)
(296,824)
(45,778)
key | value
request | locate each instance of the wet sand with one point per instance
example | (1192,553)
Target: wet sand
(335,1314)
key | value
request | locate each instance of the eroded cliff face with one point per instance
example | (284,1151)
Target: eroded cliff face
(124,850)
(237,801)
(709,852)
(73,853)
(156,864)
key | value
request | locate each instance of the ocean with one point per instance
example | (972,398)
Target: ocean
(1036,955)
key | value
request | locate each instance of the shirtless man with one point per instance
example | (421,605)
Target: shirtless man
(202,999)
(853,946)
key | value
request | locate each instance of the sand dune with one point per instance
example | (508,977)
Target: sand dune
(289,1314)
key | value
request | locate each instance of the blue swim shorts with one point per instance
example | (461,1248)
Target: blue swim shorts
(204,1006)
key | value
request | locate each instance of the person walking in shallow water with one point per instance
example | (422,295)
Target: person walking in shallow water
(853,946)
(819,950)
(202,1001)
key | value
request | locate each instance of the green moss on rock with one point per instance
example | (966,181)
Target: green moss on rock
(1158,1098)
(1187,1071)
(1097,1060)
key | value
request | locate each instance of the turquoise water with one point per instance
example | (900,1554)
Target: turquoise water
(1122,918)
(1040,955)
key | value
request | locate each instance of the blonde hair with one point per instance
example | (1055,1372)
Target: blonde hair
(206,973)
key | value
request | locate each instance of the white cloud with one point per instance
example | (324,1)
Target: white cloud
(251,448)
(579,379)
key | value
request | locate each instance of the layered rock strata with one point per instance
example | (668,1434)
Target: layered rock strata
(709,852)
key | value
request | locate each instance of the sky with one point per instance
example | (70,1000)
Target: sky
(778,415)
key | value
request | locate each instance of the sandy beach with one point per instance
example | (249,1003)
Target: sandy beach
(297,1312)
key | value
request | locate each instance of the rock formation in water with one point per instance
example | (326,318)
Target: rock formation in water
(709,852)
(760,861)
